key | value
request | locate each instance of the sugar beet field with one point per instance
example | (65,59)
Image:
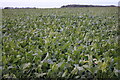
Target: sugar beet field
(60,43)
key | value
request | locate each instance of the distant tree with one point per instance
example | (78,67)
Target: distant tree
(20,8)
(8,8)
(74,5)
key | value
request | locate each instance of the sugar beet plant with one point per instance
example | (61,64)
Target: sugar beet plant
(68,43)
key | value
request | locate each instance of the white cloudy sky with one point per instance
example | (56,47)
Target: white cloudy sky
(53,3)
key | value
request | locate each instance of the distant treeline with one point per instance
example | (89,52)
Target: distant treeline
(64,6)
(20,8)
(87,6)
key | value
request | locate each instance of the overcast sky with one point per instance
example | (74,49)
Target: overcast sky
(53,3)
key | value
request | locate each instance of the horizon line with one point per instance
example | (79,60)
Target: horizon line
(61,6)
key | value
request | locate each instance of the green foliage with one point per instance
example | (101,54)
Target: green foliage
(60,43)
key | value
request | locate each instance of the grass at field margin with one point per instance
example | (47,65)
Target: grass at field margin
(0,42)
